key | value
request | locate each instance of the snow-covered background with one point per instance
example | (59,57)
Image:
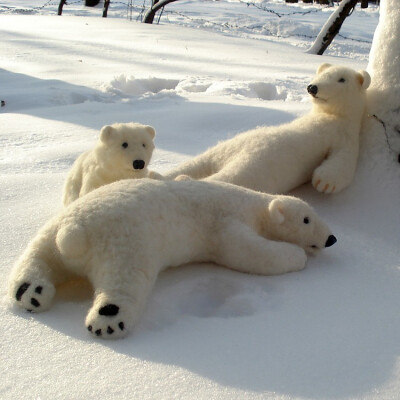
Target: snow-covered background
(208,71)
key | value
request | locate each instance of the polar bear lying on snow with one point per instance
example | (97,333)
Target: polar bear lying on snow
(122,235)
(321,146)
(122,152)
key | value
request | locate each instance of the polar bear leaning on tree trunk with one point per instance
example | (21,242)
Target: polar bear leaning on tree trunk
(121,236)
(321,147)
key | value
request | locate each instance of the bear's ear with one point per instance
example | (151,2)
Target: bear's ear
(323,67)
(364,78)
(106,132)
(276,212)
(150,130)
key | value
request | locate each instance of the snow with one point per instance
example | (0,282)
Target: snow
(328,332)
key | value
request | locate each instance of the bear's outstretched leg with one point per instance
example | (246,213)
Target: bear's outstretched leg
(235,174)
(197,168)
(31,284)
(243,250)
(229,174)
(121,293)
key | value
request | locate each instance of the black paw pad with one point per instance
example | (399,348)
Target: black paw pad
(21,290)
(34,302)
(121,326)
(109,310)
(110,330)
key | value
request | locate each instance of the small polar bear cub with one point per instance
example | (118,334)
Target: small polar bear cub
(320,147)
(121,237)
(123,151)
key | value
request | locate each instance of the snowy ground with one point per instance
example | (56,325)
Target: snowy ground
(328,332)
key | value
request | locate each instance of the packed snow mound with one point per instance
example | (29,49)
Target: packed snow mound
(131,86)
(257,90)
(138,87)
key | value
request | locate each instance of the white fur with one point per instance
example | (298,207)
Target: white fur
(109,161)
(121,236)
(321,146)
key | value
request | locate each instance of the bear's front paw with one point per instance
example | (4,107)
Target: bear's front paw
(323,182)
(183,177)
(34,296)
(156,176)
(106,322)
(294,259)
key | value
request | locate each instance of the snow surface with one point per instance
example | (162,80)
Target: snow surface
(329,332)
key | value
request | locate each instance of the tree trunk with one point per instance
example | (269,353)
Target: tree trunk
(157,5)
(364,3)
(332,27)
(149,16)
(105,9)
(384,68)
(60,6)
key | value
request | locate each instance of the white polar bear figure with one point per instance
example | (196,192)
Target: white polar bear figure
(321,146)
(121,236)
(123,151)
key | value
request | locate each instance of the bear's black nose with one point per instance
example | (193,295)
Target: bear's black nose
(331,241)
(138,164)
(312,89)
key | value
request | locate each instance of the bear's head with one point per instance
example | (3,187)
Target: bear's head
(126,148)
(293,220)
(339,90)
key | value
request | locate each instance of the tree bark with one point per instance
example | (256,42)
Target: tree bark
(157,5)
(332,27)
(105,9)
(384,67)
(60,6)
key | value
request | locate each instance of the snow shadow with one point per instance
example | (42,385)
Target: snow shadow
(26,94)
(329,333)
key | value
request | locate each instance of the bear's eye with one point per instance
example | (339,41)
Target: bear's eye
(306,220)
(124,145)
(144,144)
(342,80)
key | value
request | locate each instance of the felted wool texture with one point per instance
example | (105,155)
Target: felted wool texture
(122,235)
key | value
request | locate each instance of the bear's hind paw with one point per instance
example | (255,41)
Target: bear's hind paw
(106,322)
(34,296)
